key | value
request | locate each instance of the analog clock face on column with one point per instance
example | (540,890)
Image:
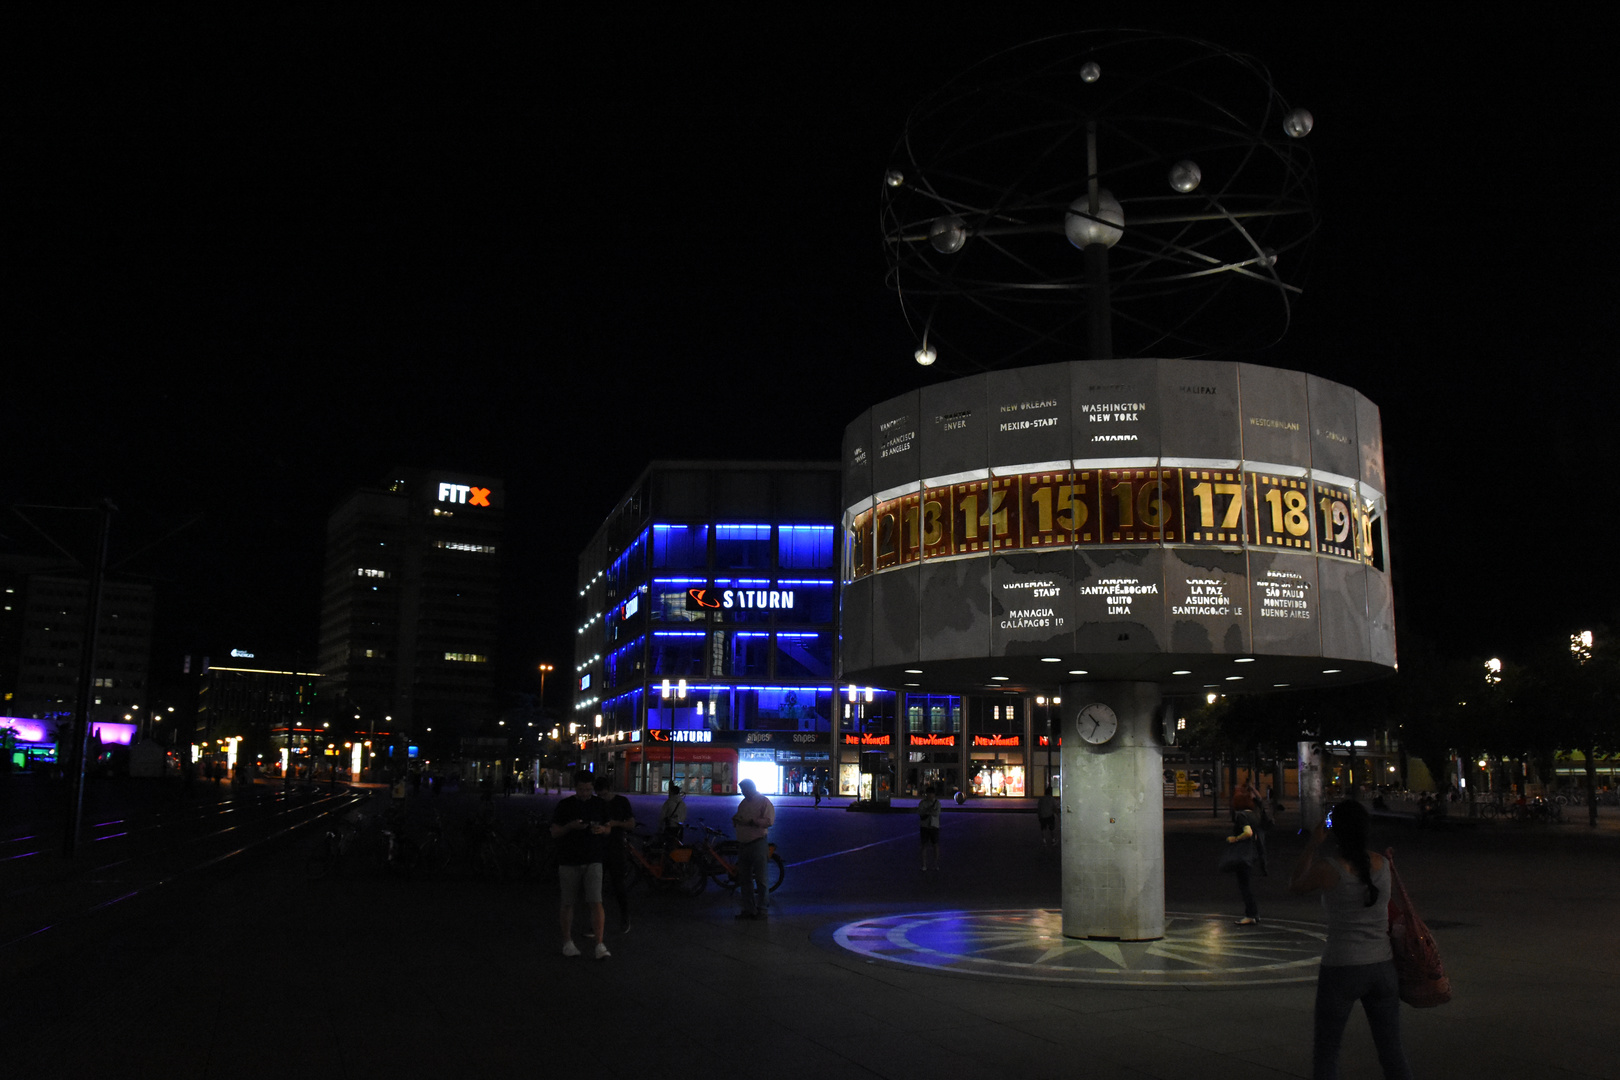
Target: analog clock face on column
(1097,724)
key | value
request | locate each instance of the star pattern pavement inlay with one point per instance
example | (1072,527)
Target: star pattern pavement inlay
(1028,944)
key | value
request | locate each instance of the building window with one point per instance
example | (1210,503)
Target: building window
(458,545)
(742,547)
(467,657)
(677,653)
(804,653)
(368,572)
(805,547)
(680,547)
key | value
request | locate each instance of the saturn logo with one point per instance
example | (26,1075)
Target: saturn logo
(700,598)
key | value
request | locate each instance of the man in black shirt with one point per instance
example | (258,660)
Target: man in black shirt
(620,819)
(579,825)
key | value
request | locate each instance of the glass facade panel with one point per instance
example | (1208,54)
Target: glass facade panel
(813,601)
(805,547)
(790,708)
(804,653)
(749,654)
(678,653)
(742,547)
(670,600)
(680,547)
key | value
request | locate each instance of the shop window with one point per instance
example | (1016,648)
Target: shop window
(678,653)
(749,654)
(680,547)
(813,601)
(805,547)
(790,708)
(671,601)
(804,653)
(742,547)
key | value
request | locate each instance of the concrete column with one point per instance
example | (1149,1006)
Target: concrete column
(1311,809)
(1113,817)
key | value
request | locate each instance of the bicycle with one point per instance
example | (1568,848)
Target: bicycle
(719,861)
(665,865)
(332,851)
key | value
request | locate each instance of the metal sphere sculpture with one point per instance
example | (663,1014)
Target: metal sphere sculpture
(1098,195)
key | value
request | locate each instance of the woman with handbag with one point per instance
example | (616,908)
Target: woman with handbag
(1357,962)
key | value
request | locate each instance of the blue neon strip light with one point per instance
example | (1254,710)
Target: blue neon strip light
(680,633)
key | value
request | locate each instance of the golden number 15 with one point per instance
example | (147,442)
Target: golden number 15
(1071,513)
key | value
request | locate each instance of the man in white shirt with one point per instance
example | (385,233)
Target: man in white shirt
(754,817)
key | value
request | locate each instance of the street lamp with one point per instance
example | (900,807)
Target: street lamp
(544,669)
(669,725)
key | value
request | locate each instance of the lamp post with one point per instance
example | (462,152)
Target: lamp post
(544,670)
(669,723)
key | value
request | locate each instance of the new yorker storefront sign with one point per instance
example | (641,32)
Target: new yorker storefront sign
(918,738)
(998,740)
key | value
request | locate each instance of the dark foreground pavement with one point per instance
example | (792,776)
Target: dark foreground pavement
(247,969)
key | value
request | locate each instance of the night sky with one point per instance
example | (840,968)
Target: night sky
(250,265)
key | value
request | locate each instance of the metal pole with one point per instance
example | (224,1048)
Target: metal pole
(87,666)
(1096,258)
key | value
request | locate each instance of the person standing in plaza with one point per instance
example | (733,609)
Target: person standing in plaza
(1242,864)
(672,816)
(620,819)
(928,815)
(579,825)
(1046,816)
(1358,963)
(753,820)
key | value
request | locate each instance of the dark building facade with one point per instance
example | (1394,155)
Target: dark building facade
(411,605)
(266,708)
(54,609)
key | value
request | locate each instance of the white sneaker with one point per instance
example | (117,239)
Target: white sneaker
(602,951)
(570,949)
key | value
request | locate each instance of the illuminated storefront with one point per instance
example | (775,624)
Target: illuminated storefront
(708,610)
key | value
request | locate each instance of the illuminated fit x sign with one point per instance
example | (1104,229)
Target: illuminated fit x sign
(464,494)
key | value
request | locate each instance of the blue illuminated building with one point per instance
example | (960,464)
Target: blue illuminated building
(722,577)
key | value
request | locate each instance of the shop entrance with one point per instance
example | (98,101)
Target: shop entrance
(997,777)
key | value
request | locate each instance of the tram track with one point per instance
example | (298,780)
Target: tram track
(48,892)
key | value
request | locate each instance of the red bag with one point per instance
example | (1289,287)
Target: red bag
(1417,958)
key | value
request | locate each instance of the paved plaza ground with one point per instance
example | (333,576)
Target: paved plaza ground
(247,968)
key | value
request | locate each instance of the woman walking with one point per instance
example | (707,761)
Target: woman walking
(1357,963)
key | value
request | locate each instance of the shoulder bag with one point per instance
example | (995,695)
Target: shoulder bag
(1417,958)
